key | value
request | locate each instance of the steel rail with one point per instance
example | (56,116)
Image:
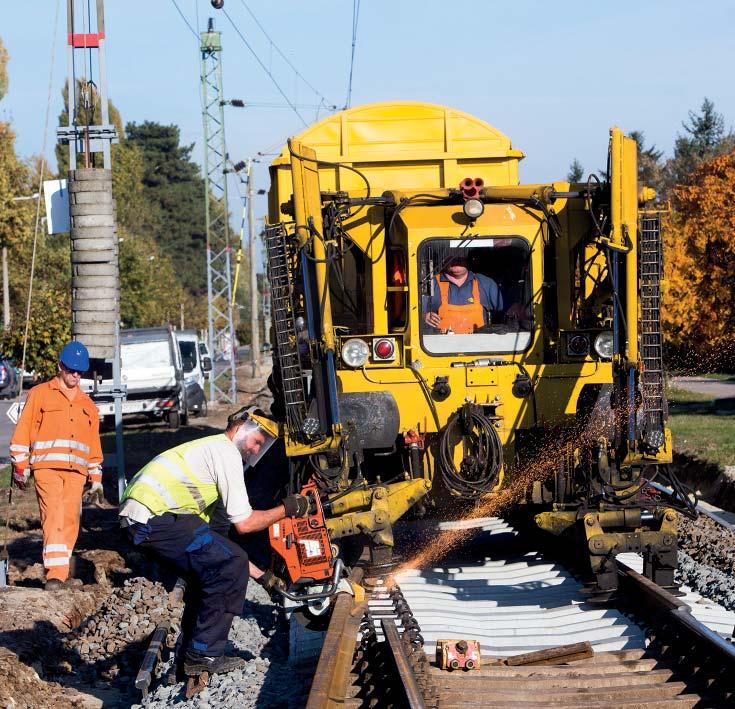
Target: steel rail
(412,693)
(713,655)
(329,686)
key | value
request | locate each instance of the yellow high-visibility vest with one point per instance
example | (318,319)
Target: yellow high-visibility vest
(168,484)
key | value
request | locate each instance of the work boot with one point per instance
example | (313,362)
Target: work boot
(195,664)
(58,585)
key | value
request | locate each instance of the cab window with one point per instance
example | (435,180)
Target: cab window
(188,355)
(476,295)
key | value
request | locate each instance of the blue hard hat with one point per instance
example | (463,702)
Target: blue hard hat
(75,356)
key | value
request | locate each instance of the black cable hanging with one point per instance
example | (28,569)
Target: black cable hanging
(479,470)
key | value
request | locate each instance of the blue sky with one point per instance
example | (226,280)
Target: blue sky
(553,76)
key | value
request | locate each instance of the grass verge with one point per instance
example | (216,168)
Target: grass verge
(701,427)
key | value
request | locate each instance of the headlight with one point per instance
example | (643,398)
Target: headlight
(473,208)
(355,352)
(604,345)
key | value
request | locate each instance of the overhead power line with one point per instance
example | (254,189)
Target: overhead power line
(355,20)
(264,67)
(327,103)
(183,17)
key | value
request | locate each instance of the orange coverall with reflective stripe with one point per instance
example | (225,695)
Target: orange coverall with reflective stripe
(58,439)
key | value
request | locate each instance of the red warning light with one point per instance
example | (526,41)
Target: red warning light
(384,349)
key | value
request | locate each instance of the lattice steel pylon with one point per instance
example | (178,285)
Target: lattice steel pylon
(221,331)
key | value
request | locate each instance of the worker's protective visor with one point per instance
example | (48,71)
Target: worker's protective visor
(253,441)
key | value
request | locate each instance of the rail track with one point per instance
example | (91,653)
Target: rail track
(532,619)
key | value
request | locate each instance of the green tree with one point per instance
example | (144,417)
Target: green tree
(704,138)
(576,171)
(149,291)
(15,181)
(50,315)
(174,190)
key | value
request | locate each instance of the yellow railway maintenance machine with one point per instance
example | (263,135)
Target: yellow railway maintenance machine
(444,335)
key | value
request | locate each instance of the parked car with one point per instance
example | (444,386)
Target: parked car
(10,379)
(196,370)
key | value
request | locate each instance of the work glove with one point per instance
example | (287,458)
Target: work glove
(271,583)
(95,494)
(20,477)
(295,505)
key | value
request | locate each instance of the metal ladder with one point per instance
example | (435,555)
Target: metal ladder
(287,350)
(650,272)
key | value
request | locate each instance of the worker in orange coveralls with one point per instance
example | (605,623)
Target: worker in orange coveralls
(57,437)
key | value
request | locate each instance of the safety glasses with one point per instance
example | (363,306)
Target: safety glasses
(70,371)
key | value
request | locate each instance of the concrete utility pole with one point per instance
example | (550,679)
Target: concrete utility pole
(254,324)
(94,243)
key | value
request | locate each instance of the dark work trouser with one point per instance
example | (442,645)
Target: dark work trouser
(215,569)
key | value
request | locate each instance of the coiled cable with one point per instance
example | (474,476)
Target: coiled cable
(478,472)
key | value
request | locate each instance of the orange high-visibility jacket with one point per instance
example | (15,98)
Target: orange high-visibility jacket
(55,433)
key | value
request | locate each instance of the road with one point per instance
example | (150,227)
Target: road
(717,388)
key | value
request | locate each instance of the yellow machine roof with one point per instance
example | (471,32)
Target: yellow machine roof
(405,145)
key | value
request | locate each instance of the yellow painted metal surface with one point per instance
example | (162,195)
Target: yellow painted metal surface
(400,145)
(307,207)
(407,148)
(623,236)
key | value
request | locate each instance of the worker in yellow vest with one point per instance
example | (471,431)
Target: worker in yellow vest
(167,507)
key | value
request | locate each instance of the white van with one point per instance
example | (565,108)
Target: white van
(196,370)
(153,375)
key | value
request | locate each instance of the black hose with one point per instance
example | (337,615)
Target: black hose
(478,473)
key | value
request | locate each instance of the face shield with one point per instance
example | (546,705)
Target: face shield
(252,440)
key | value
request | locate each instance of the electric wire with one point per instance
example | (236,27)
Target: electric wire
(324,100)
(186,22)
(355,20)
(264,67)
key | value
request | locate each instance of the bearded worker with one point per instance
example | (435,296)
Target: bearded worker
(166,509)
(57,438)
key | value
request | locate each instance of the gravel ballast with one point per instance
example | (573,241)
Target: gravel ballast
(707,559)
(259,635)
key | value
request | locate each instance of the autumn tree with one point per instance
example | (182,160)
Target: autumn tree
(698,310)
(3,70)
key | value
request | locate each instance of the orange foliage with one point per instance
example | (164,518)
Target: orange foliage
(698,309)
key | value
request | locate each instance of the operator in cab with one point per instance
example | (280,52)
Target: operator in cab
(167,507)
(462,301)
